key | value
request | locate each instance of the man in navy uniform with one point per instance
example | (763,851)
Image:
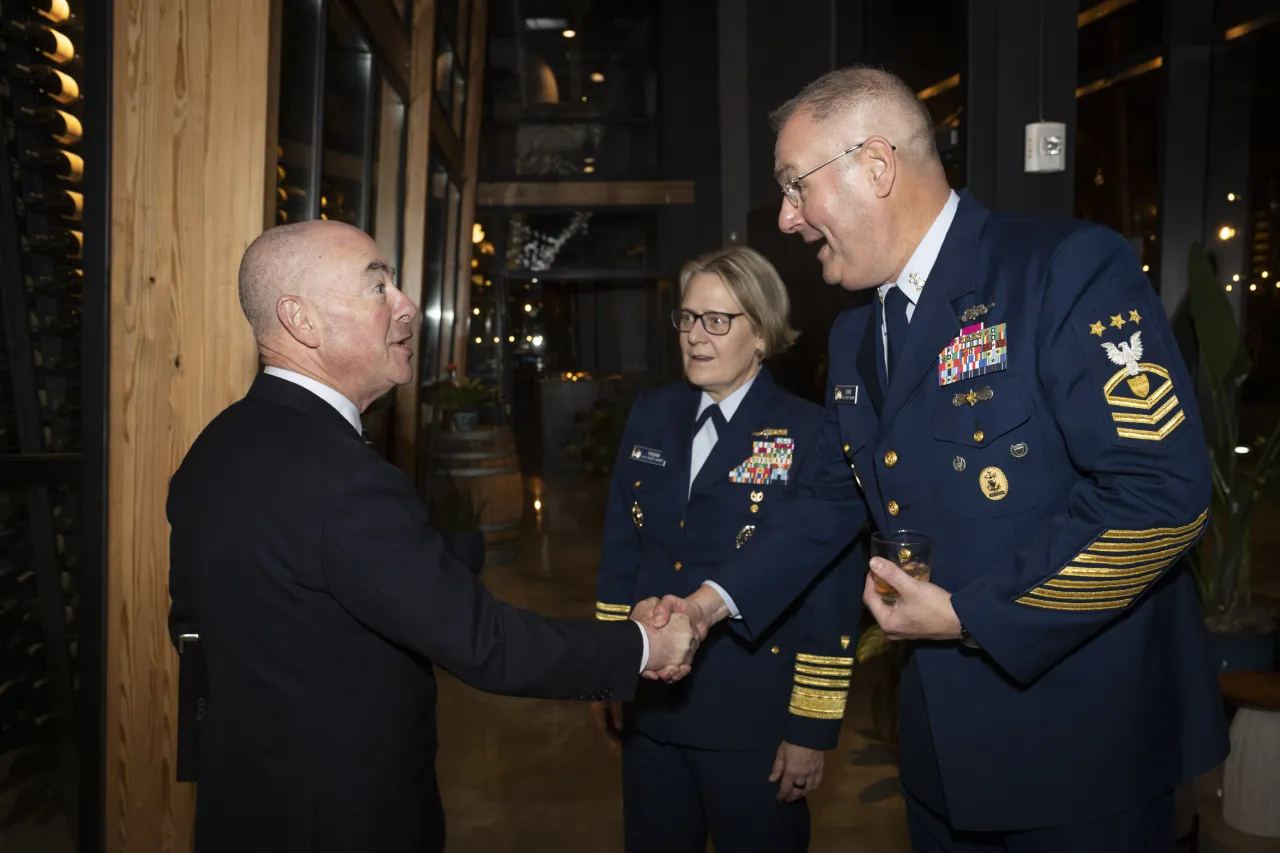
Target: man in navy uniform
(1010,386)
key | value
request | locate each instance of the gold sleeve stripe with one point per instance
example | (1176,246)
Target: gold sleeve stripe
(1111,574)
(624,609)
(815,714)
(610,617)
(1085,595)
(1126,559)
(1116,574)
(837,672)
(826,683)
(1133,547)
(824,661)
(1154,435)
(818,704)
(1151,419)
(1104,582)
(1075,605)
(1153,532)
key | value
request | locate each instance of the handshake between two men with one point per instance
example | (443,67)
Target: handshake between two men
(675,627)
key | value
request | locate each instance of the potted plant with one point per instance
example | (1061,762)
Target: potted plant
(1242,631)
(463,398)
(454,514)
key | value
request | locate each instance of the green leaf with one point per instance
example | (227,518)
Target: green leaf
(1220,342)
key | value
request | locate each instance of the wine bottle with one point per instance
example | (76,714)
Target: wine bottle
(54,11)
(66,281)
(61,125)
(68,204)
(61,241)
(62,87)
(61,164)
(46,40)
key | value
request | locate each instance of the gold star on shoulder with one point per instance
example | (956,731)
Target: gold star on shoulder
(1096,329)
(1134,317)
(1117,321)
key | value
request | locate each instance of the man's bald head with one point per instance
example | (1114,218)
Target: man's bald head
(873,100)
(285,260)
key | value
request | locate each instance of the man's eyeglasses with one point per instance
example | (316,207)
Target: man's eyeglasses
(715,322)
(791,189)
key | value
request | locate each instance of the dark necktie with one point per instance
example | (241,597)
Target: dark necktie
(716,416)
(895,322)
(364,433)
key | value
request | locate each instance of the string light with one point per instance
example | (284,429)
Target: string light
(1253,287)
(1228,288)
(1231,196)
(597,77)
(1226,232)
(475,310)
(528,307)
(568,34)
(1235,277)
(1146,267)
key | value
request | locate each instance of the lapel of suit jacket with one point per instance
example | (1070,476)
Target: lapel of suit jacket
(870,357)
(935,321)
(681,432)
(730,448)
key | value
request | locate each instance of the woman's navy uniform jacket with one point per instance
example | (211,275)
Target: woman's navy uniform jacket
(789,682)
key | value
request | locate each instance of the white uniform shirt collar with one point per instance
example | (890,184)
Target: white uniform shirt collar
(345,407)
(922,259)
(729,404)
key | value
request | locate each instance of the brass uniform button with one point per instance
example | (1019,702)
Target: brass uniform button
(677,565)
(755,508)
(637,483)
(846,448)
(682,523)
(774,650)
(893,508)
(977,435)
(891,458)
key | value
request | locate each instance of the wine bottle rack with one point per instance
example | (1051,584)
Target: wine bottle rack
(42,404)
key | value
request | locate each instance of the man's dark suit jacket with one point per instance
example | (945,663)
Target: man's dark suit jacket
(322,597)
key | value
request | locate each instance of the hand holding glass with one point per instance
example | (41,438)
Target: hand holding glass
(909,550)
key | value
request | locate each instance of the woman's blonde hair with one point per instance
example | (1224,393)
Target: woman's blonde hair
(754,283)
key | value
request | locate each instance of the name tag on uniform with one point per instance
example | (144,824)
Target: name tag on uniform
(648,455)
(846,394)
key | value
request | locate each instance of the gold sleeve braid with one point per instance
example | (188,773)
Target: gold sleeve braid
(612,612)
(1115,568)
(821,686)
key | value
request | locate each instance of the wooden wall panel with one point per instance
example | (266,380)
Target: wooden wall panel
(190,116)
(417,168)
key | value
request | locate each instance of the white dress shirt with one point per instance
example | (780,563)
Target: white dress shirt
(351,412)
(703,443)
(919,266)
(345,407)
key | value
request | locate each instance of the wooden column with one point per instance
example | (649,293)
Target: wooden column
(190,108)
(470,172)
(417,174)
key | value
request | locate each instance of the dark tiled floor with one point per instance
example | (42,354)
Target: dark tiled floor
(526,776)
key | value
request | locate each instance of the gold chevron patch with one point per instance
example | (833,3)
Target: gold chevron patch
(1115,569)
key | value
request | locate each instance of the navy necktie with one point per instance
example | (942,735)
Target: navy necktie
(895,322)
(717,417)
(364,433)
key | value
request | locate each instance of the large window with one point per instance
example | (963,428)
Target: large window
(571,91)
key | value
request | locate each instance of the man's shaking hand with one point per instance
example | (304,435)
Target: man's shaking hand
(671,644)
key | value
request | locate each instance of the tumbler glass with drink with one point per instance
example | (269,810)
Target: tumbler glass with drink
(909,550)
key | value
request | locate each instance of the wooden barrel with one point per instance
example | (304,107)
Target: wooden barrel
(483,463)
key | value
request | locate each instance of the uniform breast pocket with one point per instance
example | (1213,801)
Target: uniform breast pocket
(990,449)
(652,501)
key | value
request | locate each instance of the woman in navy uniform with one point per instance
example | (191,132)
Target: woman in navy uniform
(734,748)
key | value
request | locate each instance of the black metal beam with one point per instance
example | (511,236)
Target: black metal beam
(95,336)
(1021,69)
(24,470)
(390,37)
